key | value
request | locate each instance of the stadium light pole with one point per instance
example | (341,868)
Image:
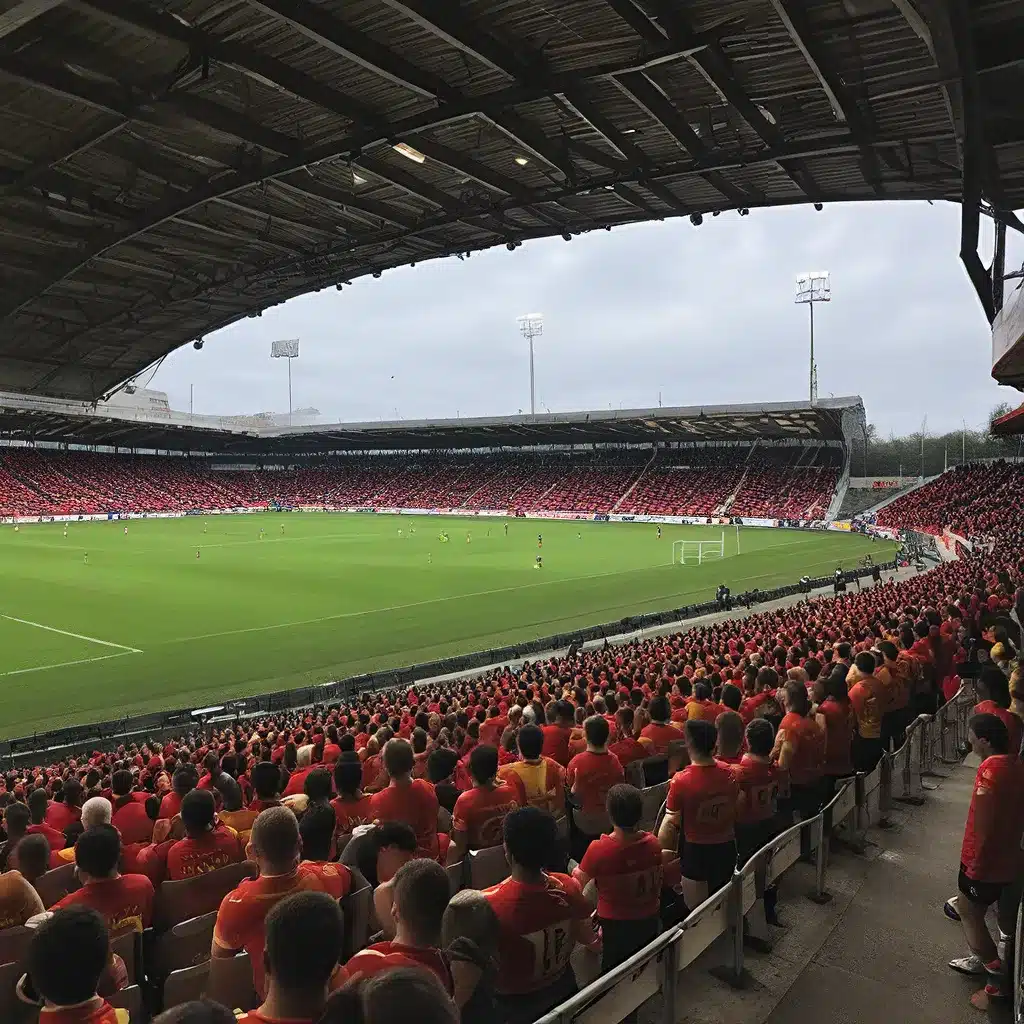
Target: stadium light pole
(286,349)
(531,325)
(813,286)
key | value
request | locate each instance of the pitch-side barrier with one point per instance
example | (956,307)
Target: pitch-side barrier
(859,803)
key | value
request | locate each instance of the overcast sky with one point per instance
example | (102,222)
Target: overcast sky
(695,315)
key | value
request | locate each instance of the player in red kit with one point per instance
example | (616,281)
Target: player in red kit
(700,814)
(990,857)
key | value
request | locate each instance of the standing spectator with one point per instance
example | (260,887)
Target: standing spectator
(990,857)
(835,710)
(800,750)
(994,691)
(480,813)
(125,902)
(539,780)
(867,697)
(242,915)
(700,813)
(304,938)
(532,902)
(627,868)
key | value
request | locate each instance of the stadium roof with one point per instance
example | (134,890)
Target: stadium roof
(168,167)
(29,419)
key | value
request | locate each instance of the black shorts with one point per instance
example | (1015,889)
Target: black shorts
(984,894)
(713,863)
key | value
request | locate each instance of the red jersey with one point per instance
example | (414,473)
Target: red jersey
(759,784)
(536,930)
(491,730)
(628,750)
(297,781)
(556,743)
(480,813)
(351,813)
(867,696)
(1008,718)
(125,903)
(991,850)
(53,837)
(628,874)
(590,776)
(170,805)
(58,816)
(132,821)
(100,1012)
(255,1017)
(657,736)
(384,956)
(705,796)
(243,911)
(190,857)
(708,710)
(840,724)
(749,706)
(807,740)
(416,805)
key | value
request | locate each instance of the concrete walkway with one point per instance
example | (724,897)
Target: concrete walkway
(878,952)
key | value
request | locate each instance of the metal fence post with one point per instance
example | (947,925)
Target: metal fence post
(669,981)
(734,974)
(885,801)
(820,894)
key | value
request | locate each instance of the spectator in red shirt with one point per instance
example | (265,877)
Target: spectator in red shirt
(67,956)
(800,753)
(994,691)
(990,857)
(627,747)
(38,803)
(241,919)
(125,902)
(351,805)
(729,727)
(304,939)
(317,832)
(420,894)
(835,710)
(66,811)
(480,813)
(407,799)
(184,780)
(660,733)
(266,783)
(558,732)
(627,867)
(129,815)
(536,910)
(589,777)
(207,845)
(701,811)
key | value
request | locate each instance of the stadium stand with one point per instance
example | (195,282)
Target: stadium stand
(293,759)
(783,482)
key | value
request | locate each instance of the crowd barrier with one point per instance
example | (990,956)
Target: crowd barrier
(859,803)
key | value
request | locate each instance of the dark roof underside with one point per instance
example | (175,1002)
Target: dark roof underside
(170,166)
(777,421)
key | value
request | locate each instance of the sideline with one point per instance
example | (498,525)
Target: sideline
(77,636)
(68,664)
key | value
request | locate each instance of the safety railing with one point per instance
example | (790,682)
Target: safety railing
(859,803)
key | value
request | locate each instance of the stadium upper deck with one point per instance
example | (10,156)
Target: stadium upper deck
(169,168)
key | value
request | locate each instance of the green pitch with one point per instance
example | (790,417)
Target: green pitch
(101,624)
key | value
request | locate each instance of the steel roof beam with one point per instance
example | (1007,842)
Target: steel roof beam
(15,14)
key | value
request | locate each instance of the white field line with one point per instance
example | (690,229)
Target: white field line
(68,664)
(77,636)
(451,597)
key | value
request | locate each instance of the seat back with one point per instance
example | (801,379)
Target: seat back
(193,897)
(129,999)
(55,884)
(652,797)
(634,773)
(185,985)
(233,985)
(356,908)
(487,867)
(126,946)
(14,944)
(457,875)
(444,820)
(185,945)
(678,758)
(12,1009)
(592,823)
(655,770)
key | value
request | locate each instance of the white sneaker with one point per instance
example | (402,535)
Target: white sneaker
(1001,945)
(972,964)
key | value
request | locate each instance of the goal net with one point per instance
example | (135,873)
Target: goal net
(697,552)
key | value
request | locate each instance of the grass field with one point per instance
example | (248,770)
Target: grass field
(142,624)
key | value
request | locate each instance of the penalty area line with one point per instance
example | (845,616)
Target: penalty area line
(67,664)
(76,636)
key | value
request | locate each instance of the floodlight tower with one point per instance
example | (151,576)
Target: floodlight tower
(813,286)
(531,325)
(287,349)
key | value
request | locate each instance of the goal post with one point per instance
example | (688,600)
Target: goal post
(697,552)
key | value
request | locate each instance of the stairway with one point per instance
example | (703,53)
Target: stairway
(633,486)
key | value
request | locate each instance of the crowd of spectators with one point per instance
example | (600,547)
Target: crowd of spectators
(784,482)
(749,721)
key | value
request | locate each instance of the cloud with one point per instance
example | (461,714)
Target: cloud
(696,315)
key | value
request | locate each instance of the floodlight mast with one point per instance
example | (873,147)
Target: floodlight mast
(531,325)
(286,349)
(813,286)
